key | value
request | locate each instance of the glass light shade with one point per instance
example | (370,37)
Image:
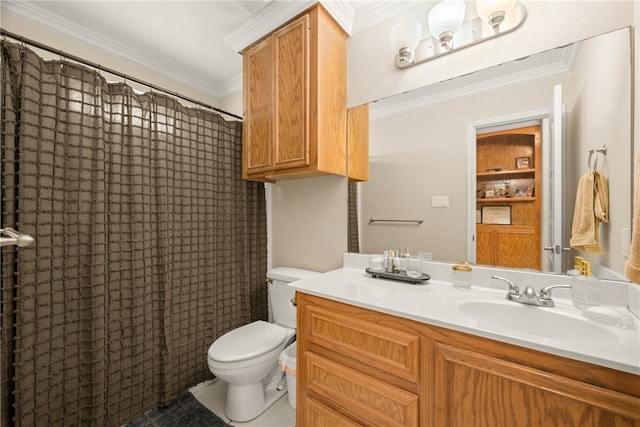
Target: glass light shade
(446,16)
(486,8)
(406,34)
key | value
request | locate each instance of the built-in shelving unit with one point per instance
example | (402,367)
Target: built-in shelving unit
(508,165)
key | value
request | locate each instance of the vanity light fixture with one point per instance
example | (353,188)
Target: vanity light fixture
(449,32)
(445,19)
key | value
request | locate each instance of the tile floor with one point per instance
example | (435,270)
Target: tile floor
(212,394)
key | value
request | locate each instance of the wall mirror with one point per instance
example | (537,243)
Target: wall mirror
(421,188)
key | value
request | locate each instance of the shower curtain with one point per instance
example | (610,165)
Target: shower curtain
(148,244)
(353,238)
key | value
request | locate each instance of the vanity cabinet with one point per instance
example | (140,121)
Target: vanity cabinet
(294,94)
(508,190)
(359,367)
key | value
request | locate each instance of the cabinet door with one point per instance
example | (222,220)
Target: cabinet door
(258,101)
(472,389)
(508,246)
(291,45)
(485,247)
(518,247)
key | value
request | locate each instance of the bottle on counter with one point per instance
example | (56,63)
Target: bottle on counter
(390,255)
(586,290)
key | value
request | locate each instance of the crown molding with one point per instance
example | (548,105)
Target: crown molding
(374,12)
(29,11)
(276,13)
(265,21)
(383,109)
(342,11)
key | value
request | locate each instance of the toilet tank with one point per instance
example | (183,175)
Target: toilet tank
(284,313)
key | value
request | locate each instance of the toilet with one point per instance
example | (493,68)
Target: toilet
(246,358)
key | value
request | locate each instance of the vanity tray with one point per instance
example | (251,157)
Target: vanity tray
(401,275)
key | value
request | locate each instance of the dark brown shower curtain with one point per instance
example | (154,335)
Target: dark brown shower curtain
(353,238)
(149,245)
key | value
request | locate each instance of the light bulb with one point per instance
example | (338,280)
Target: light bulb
(445,18)
(494,11)
(405,37)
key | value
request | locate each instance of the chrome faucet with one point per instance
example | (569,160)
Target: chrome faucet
(529,295)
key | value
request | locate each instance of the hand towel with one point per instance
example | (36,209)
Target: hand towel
(632,266)
(591,208)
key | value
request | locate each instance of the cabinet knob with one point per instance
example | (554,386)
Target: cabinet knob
(294,302)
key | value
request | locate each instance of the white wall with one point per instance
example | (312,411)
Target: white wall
(57,41)
(600,113)
(309,228)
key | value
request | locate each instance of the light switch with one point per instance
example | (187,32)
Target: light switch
(439,201)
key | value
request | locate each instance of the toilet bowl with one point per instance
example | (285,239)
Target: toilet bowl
(246,358)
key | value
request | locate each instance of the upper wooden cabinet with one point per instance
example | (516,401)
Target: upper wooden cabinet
(358,143)
(295,100)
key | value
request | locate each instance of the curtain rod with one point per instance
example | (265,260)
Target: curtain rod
(39,45)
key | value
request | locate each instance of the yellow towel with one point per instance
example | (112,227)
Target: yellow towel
(632,266)
(592,208)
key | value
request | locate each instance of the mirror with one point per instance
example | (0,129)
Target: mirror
(419,148)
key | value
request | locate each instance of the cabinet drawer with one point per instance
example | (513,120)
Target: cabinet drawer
(373,402)
(386,349)
(318,415)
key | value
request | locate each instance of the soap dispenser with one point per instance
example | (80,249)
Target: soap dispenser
(585,289)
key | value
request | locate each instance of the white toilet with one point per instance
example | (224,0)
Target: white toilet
(246,358)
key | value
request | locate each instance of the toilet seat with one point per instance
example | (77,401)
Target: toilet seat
(247,342)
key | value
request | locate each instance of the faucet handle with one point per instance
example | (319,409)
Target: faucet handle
(513,288)
(545,293)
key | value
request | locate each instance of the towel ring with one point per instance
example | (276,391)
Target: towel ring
(595,151)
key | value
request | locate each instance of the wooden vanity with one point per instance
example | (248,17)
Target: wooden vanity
(362,367)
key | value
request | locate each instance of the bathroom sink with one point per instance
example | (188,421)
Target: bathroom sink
(554,323)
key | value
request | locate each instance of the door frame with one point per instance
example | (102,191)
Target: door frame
(491,124)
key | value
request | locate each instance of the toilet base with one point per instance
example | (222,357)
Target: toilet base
(246,402)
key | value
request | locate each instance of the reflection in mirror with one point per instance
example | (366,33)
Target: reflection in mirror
(419,155)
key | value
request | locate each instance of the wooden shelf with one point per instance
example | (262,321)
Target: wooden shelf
(506,172)
(506,199)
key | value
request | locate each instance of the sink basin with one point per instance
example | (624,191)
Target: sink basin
(554,323)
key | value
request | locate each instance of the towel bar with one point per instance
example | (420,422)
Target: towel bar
(595,151)
(417,221)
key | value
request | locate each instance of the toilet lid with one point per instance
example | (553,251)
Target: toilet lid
(247,341)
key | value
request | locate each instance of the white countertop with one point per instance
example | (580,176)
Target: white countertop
(430,303)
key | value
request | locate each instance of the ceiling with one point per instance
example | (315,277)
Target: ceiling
(193,42)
